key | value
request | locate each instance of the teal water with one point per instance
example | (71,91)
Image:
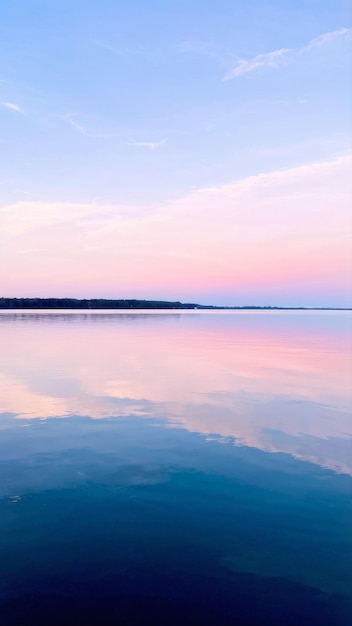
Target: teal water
(175,468)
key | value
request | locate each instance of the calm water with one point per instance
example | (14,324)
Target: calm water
(175,469)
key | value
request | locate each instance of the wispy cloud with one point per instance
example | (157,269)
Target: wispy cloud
(244,66)
(275,58)
(326,38)
(77,126)
(93,128)
(120,50)
(70,119)
(11,106)
(29,250)
(183,246)
(203,49)
(116,50)
(151,145)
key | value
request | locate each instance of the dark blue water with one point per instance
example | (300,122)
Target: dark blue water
(171,469)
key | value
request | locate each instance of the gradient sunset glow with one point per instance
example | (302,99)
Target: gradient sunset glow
(229,185)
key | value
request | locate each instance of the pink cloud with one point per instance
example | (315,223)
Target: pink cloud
(285,230)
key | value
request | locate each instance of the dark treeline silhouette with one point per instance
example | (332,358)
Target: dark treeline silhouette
(102,303)
(94,303)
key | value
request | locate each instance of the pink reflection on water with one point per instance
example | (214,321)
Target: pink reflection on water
(273,381)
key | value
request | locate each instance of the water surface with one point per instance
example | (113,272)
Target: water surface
(178,467)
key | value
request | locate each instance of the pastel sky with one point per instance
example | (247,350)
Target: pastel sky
(191,150)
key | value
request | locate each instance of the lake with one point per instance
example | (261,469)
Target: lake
(175,468)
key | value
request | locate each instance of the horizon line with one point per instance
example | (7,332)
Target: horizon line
(135,301)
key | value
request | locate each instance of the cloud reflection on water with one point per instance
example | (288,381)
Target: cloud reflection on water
(277,382)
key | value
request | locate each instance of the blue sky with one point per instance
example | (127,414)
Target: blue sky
(140,102)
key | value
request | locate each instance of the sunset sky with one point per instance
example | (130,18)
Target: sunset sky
(191,150)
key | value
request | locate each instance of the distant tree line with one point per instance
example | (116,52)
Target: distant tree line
(94,303)
(102,303)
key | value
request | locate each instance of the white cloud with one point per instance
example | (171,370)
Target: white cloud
(151,145)
(326,38)
(77,126)
(275,58)
(70,119)
(11,106)
(245,66)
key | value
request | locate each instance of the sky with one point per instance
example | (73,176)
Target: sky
(188,150)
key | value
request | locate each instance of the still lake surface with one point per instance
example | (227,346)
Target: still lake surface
(175,468)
